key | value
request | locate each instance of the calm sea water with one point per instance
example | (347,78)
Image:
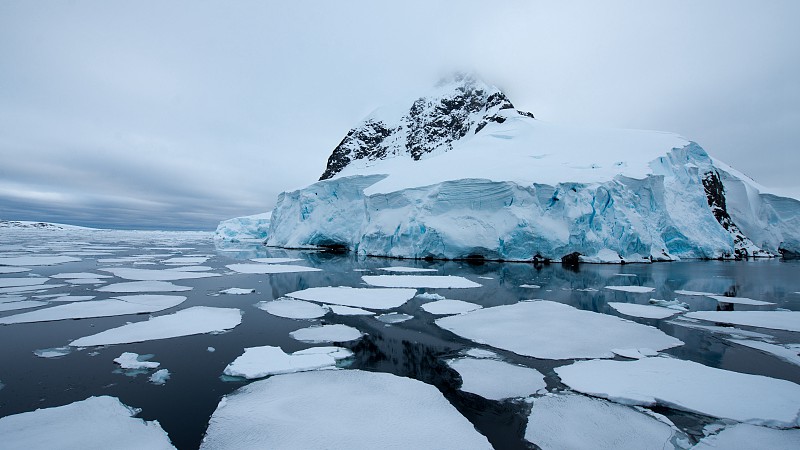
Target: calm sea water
(416,348)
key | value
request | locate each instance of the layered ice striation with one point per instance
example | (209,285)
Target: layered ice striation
(460,173)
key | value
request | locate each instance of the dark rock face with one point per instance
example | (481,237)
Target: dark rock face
(715,193)
(364,142)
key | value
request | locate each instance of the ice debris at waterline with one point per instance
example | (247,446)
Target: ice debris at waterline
(129,360)
(259,362)
(550,330)
(97,422)
(356,297)
(339,409)
(483,377)
(160,377)
(292,309)
(419,281)
(326,333)
(118,306)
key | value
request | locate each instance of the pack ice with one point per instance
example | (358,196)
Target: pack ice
(460,173)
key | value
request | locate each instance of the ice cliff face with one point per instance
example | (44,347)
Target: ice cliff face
(460,173)
(247,228)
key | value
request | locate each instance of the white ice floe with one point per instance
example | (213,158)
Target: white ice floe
(269,268)
(337,352)
(643,311)
(118,306)
(144,286)
(730,331)
(259,362)
(292,309)
(190,269)
(275,260)
(129,360)
(70,298)
(36,260)
(97,422)
(155,274)
(340,310)
(419,281)
(441,307)
(634,353)
(576,422)
(530,286)
(776,320)
(15,298)
(497,380)
(339,409)
(326,333)
(688,386)
(6,269)
(24,304)
(18,282)
(671,304)
(695,293)
(431,296)
(160,377)
(747,437)
(481,353)
(356,297)
(237,291)
(789,353)
(739,300)
(195,320)
(77,275)
(86,281)
(55,352)
(186,260)
(550,330)
(632,289)
(587,290)
(26,289)
(402,269)
(394,317)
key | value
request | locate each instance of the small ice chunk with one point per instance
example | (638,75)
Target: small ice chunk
(186,260)
(237,291)
(625,275)
(776,320)
(430,296)
(530,286)
(419,281)
(18,282)
(695,293)
(259,362)
(356,297)
(348,310)
(274,260)
(481,353)
(643,311)
(159,377)
(55,352)
(785,353)
(442,307)
(587,290)
(486,278)
(77,275)
(211,349)
(402,269)
(36,260)
(394,317)
(119,306)
(156,275)
(632,289)
(326,333)
(129,360)
(269,268)
(144,286)
(481,376)
(292,309)
(25,304)
(743,436)
(739,300)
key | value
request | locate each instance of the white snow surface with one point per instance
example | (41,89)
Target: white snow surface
(259,362)
(237,291)
(24,304)
(269,268)
(6,269)
(549,330)
(130,360)
(77,275)
(326,333)
(186,322)
(776,320)
(442,307)
(155,275)
(419,281)
(117,306)
(97,422)
(632,289)
(497,380)
(292,309)
(740,300)
(643,311)
(349,409)
(743,436)
(186,260)
(35,260)
(576,422)
(356,297)
(695,293)
(144,286)
(688,386)
(785,353)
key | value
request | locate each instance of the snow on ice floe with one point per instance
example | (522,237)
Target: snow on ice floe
(292,309)
(394,317)
(356,297)
(442,307)
(97,422)
(789,353)
(731,331)
(339,409)
(23,304)
(160,377)
(59,298)
(237,291)
(129,360)
(695,293)
(13,298)
(190,269)
(337,352)
(32,288)
(550,330)
(643,311)
(144,286)
(632,289)
(86,281)
(419,281)
(776,320)
(403,269)
(36,260)
(79,275)
(340,310)
(326,333)
(55,352)
(480,377)
(269,268)
(186,260)
(275,260)
(117,306)
(19,282)
(155,274)
(743,436)
(577,422)
(195,320)
(430,296)
(739,300)
(5,269)
(688,386)
(260,362)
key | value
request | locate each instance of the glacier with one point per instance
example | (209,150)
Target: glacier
(461,174)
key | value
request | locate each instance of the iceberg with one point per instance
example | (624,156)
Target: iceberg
(255,227)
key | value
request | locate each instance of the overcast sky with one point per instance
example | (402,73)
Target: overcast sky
(153,114)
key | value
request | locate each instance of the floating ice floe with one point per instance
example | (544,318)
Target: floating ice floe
(730,331)
(348,409)
(790,353)
(155,274)
(237,291)
(24,304)
(745,437)
(340,310)
(326,333)
(480,353)
(292,309)
(530,286)
(55,352)
(129,360)
(497,380)
(69,298)
(6,269)
(118,306)
(634,353)
(587,290)
(739,300)
(78,275)
(550,330)
(275,260)
(260,362)
(26,289)
(338,353)
(356,297)
(144,286)
(211,349)
(269,268)
(776,320)
(688,386)
(431,296)
(36,260)
(186,260)
(190,269)
(643,311)
(695,293)
(97,422)
(632,289)
(394,317)
(419,281)
(86,281)
(401,269)
(576,422)
(442,307)
(18,282)
(195,320)
(14,298)
(160,377)
(625,275)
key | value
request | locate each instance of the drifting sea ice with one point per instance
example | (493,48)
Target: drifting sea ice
(25,304)
(77,275)
(269,268)
(339,409)
(326,333)
(160,377)
(576,422)
(776,320)
(340,310)
(186,322)
(695,293)
(497,380)
(356,297)
(785,353)
(19,282)
(144,286)
(190,269)
(129,360)
(237,291)
(730,331)
(155,274)
(530,286)
(481,353)
(186,260)
(442,307)
(5,269)
(401,269)
(69,298)
(643,311)
(746,437)
(118,306)
(550,330)
(36,260)
(292,309)
(97,422)
(739,300)
(632,289)
(55,352)
(260,362)
(337,352)
(431,296)
(275,260)
(419,281)
(394,318)
(688,386)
